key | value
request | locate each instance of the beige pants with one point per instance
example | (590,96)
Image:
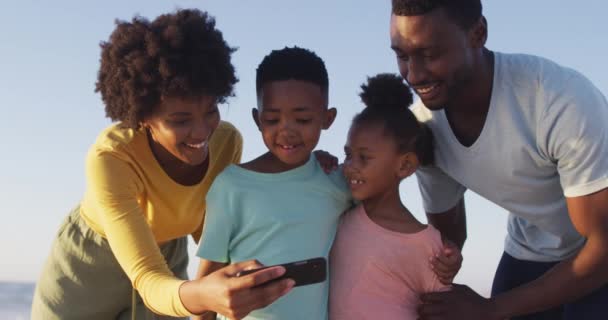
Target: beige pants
(82,280)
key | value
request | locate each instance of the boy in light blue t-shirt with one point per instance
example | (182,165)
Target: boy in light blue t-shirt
(280,207)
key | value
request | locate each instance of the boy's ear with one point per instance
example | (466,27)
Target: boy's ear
(407,165)
(330,116)
(479,33)
(255,114)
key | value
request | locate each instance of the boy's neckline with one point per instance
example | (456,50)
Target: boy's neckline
(269,164)
(304,170)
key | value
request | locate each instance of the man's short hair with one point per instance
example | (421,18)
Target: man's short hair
(464,12)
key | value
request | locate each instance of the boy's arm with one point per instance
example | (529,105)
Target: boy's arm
(204,268)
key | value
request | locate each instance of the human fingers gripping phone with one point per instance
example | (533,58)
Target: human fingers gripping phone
(303,272)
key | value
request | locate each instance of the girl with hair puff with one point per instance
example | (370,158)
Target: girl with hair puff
(380,258)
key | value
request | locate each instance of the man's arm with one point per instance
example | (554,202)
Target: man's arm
(452,223)
(584,273)
(581,275)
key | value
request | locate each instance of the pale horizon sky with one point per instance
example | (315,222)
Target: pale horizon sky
(50,55)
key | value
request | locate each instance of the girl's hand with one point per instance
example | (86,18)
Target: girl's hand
(327,161)
(235,297)
(447,263)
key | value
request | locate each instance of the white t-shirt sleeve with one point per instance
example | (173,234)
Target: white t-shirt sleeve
(439,191)
(573,133)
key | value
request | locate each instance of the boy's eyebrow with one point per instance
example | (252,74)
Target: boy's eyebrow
(298,109)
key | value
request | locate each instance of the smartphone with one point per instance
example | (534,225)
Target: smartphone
(303,272)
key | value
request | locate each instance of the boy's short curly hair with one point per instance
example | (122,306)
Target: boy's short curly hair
(464,12)
(292,63)
(179,54)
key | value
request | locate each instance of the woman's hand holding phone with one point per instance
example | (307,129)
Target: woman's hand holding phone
(235,297)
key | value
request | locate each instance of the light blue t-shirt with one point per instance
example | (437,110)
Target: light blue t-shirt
(276,218)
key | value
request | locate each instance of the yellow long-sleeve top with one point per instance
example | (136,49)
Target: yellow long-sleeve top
(135,205)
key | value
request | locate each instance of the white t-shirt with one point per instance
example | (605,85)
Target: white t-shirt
(545,138)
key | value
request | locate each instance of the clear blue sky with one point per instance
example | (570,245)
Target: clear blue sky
(49,56)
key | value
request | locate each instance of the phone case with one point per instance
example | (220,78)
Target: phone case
(303,272)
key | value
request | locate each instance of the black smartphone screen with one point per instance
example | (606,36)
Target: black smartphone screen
(303,272)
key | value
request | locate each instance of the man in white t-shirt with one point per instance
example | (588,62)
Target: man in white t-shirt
(526,134)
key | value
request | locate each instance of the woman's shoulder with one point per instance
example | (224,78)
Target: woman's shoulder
(116,137)
(226,130)
(226,138)
(118,149)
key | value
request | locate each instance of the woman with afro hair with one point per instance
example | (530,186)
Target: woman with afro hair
(122,252)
